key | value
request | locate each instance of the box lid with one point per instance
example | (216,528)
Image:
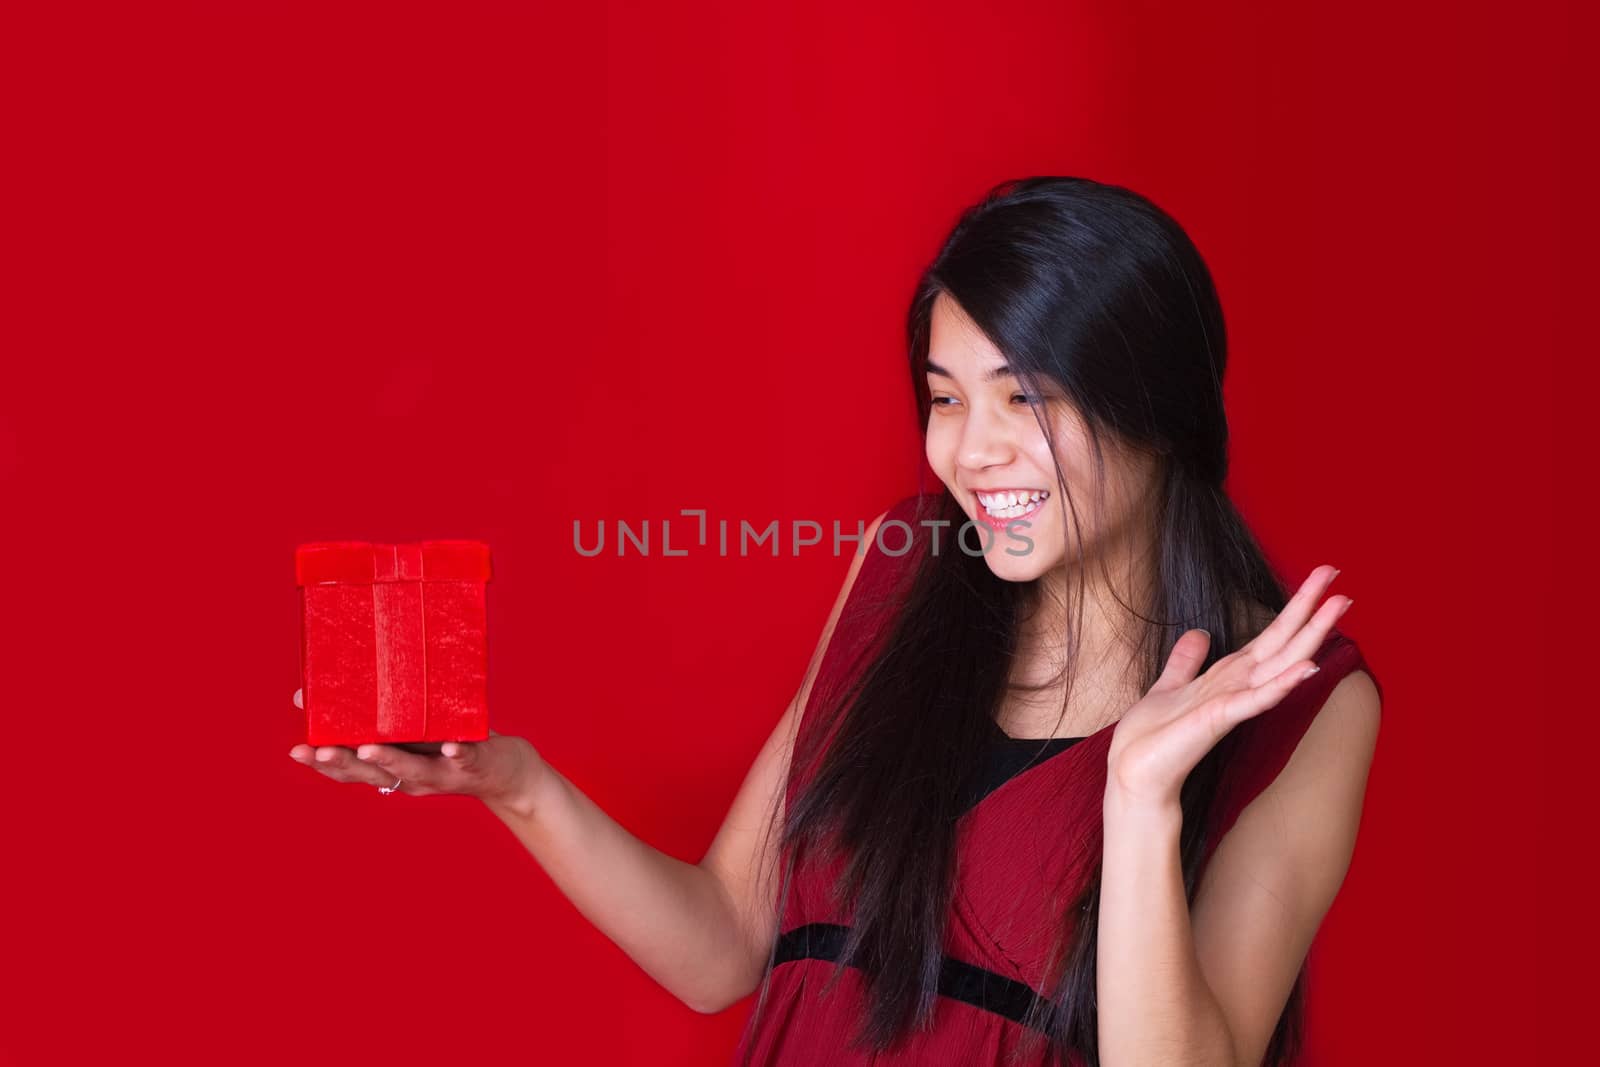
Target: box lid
(365,562)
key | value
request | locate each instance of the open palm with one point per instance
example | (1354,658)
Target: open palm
(1160,739)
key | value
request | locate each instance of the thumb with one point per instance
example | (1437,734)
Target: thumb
(1183,663)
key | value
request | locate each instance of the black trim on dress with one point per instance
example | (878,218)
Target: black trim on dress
(958,980)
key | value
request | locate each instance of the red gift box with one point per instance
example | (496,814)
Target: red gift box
(394,642)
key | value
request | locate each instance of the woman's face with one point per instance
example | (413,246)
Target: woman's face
(985,443)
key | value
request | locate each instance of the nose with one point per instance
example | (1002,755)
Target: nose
(985,440)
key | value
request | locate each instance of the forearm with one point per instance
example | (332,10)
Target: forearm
(671,917)
(1154,1004)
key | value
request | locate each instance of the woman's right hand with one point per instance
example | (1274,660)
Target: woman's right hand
(503,771)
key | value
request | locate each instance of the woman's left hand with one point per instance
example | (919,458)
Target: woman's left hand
(1159,740)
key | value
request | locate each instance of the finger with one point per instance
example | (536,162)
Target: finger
(299,701)
(1185,660)
(463,754)
(1270,641)
(1304,644)
(340,764)
(412,769)
(1248,703)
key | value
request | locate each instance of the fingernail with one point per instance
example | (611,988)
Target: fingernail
(1309,672)
(1347,605)
(366,753)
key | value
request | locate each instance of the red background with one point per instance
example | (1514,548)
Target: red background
(288,272)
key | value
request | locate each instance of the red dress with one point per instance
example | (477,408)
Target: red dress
(1024,850)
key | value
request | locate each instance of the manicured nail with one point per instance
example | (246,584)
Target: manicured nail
(366,753)
(1309,672)
(1347,605)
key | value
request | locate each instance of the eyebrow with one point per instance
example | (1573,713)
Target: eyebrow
(995,373)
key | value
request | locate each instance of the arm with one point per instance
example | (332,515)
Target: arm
(703,931)
(667,915)
(1208,987)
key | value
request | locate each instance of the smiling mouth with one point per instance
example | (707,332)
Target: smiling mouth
(1007,504)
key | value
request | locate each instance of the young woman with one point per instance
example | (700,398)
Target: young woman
(1071,778)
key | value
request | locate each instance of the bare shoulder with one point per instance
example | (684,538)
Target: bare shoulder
(1330,763)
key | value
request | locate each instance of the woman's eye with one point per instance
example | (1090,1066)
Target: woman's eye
(949,401)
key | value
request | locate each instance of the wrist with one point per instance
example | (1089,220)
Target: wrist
(524,795)
(1124,806)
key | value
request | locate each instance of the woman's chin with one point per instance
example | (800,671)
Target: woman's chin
(1009,567)
(1016,553)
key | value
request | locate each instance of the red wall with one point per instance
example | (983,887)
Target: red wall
(291,272)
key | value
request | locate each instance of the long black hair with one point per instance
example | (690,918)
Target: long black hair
(1092,288)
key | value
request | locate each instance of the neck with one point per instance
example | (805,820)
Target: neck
(1114,586)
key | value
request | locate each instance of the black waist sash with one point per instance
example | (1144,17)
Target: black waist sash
(959,980)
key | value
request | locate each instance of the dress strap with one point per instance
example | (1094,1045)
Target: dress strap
(866,618)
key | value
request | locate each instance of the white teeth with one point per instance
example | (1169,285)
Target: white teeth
(1011,504)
